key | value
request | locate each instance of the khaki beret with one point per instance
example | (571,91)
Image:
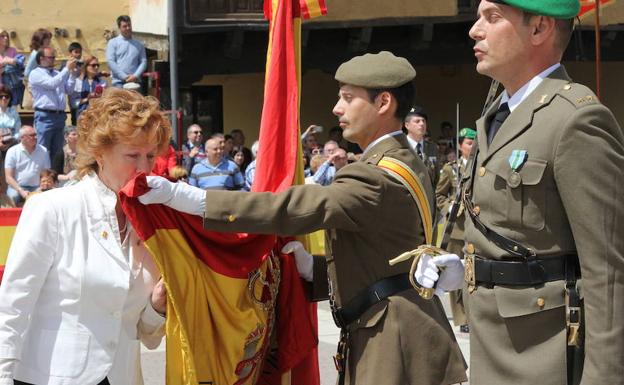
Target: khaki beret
(382,70)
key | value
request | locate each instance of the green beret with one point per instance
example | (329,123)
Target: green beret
(381,71)
(559,9)
(467,133)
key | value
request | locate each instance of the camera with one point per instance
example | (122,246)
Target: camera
(79,63)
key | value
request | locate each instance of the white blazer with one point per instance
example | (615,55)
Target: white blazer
(74,301)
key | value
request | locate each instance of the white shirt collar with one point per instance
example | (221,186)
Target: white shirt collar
(107,197)
(413,142)
(374,142)
(526,89)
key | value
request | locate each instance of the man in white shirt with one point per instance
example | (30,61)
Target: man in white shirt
(23,164)
(50,88)
(415,124)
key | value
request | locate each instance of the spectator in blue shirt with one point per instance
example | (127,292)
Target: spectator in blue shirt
(216,172)
(126,56)
(326,172)
(49,89)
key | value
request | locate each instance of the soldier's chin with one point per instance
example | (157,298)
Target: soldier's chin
(347,134)
(483,68)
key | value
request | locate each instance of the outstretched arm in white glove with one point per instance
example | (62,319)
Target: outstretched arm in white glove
(179,196)
(446,269)
(303,259)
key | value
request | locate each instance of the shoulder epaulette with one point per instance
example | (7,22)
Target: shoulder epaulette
(578,95)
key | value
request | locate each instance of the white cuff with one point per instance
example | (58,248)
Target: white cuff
(151,317)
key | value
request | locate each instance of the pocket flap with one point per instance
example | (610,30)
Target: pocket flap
(516,302)
(531,172)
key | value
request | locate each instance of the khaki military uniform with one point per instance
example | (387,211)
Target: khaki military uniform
(445,192)
(430,155)
(570,200)
(370,217)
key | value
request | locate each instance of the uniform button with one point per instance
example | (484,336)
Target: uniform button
(481,171)
(567,87)
(231,218)
(541,302)
(470,249)
(104,234)
(476,210)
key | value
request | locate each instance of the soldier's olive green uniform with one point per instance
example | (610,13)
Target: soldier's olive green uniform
(569,201)
(445,192)
(430,157)
(370,217)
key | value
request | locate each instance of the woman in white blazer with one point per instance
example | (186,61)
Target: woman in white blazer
(80,290)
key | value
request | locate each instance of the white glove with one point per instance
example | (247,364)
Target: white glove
(303,259)
(429,271)
(179,196)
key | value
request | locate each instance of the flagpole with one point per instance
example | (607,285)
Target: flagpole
(598,58)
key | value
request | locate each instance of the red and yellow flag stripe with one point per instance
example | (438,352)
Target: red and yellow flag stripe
(8,222)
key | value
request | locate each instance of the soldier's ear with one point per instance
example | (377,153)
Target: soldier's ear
(543,28)
(384,101)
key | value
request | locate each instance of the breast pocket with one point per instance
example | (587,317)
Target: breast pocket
(526,195)
(62,353)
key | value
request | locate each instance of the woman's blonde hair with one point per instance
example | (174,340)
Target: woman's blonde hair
(178,172)
(86,60)
(119,117)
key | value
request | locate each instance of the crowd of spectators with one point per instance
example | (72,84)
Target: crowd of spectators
(49,88)
(215,161)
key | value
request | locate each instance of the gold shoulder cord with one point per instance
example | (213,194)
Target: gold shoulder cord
(408,178)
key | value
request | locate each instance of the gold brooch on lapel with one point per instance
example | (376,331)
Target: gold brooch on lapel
(105,234)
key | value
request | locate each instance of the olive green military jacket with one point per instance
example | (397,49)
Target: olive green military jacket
(369,218)
(445,192)
(433,163)
(570,200)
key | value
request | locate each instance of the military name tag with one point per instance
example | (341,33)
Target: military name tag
(514,180)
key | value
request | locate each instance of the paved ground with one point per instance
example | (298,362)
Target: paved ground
(154,367)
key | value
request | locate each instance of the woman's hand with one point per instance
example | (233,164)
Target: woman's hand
(159,297)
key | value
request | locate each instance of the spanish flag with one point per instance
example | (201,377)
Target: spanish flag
(222,290)
(8,221)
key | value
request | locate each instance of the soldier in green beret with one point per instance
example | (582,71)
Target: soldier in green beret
(374,210)
(445,192)
(544,254)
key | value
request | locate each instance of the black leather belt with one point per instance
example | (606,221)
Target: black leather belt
(50,111)
(373,294)
(533,272)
